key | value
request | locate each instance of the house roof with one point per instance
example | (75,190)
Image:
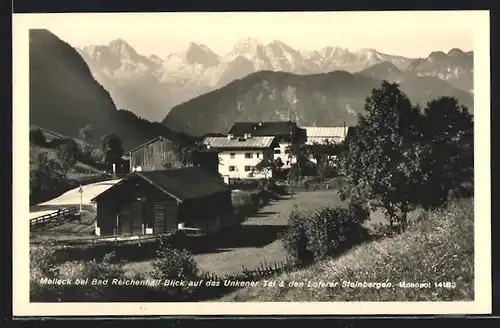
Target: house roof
(278,128)
(251,143)
(319,134)
(181,184)
(149,142)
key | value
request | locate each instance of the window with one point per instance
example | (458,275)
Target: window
(287,162)
(258,155)
(248,168)
(232,155)
(277,151)
(248,155)
(232,168)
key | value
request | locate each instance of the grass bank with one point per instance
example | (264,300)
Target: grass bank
(436,249)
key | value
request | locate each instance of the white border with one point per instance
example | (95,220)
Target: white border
(477,21)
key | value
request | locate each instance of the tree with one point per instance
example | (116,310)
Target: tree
(87,134)
(325,167)
(266,166)
(45,175)
(279,163)
(448,153)
(67,154)
(381,165)
(111,146)
(37,137)
(173,162)
(300,153)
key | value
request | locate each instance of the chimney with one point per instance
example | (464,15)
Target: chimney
(345,130)
(260,123)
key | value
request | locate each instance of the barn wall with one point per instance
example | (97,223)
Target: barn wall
(110,205)
(106,219)
(208,213)
(152,156)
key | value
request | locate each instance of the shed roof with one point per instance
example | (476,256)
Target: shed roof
(149,142)
(182,184)
(231,143)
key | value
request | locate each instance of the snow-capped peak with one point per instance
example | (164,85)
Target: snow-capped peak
(201,54)
(333,51)
(122,48)
(246,45)
(155,59)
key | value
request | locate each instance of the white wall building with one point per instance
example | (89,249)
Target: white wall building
(285,132)
(239,155)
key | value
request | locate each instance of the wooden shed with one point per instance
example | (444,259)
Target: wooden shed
(156,202)
(154,154)
(151,156)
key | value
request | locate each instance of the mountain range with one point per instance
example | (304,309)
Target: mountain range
(64,96)
(150,86)
(328,99)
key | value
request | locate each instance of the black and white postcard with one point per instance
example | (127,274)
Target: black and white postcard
(251,163)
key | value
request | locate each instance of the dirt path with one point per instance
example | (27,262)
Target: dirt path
(256,241)
(260,244)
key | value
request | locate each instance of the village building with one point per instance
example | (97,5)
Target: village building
(324,136)
(158,202)
(286,133)
(161,153)
(238,156)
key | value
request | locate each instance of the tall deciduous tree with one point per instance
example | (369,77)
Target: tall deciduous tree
(381,164)
(87,134)
(67,155)
(448,154)
(111,146)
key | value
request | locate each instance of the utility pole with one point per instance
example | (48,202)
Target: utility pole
(80,190)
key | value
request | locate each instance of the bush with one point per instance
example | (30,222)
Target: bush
(437,248)
(175,264)
(47,263)
(325,232)
(294,239)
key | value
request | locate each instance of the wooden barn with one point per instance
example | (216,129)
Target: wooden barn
(154,154)
(155,202)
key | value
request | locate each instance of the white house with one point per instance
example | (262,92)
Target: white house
(239,155)
(285,133)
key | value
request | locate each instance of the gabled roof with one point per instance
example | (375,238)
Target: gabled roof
(181,184)
(238,143)
(278,128)
(149,142)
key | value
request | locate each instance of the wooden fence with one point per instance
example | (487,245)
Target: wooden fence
(106,240)
(56,217)
(267,269)
(264,270)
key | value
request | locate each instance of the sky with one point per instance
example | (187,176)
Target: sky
(410,34)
